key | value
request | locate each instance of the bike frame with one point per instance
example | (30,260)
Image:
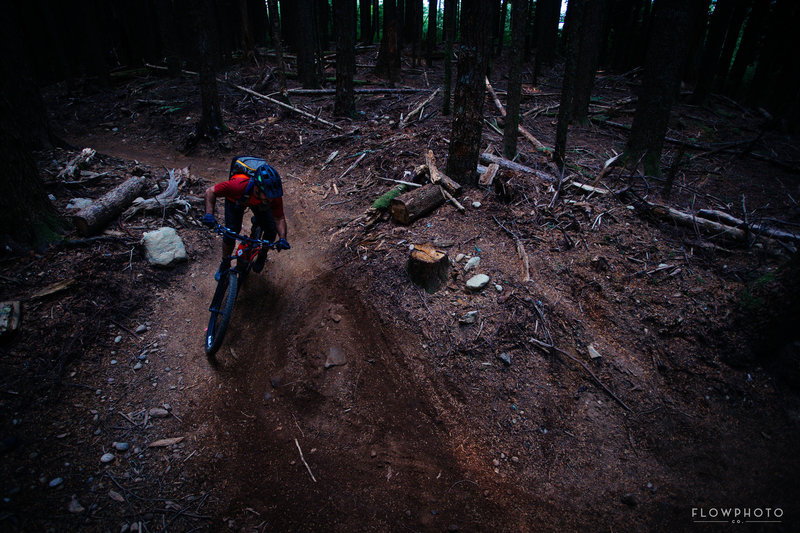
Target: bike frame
(225,294)
(246,250)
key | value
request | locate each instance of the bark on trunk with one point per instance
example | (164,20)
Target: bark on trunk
(433,6)
(465,139)
(519,17)
(591,37)
(365,18)
(388,63)
(275,21)
(665,57)
(449,30)
(306,46)
(344,11)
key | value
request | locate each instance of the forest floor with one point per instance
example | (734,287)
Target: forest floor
(671,393)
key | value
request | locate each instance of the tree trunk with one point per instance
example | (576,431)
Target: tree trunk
(547,18)
(697,39)
(589,43)
(169,45)
(720,20)
(770,72)
(322,17)
(433,7)
(27,218)
(248,42)
(259,21)
(307,72)
(275,20)
(749,46)
(501,30)
(211,123)
(449,30)
(575,11)
(344,13)
(376,26)
(388,63)
(519,18)
(365,18)
(629,30)
(462,161)
(665,55)
(414,29)
(732,38)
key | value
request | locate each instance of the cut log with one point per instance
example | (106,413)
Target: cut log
(437,176)
(94,218)
(414,204)
(428,267)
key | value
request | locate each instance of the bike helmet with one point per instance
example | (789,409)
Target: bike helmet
(268,181)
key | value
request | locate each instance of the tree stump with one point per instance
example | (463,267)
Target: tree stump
(94,218)
(428,267)
(414,204)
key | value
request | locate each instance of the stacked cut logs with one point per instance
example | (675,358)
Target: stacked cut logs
(418,202)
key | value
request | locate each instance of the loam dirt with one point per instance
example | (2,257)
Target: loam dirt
(671,393)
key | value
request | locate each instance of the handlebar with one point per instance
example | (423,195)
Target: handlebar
(222,230)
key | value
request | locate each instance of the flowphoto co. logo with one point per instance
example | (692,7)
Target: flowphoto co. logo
(737,515)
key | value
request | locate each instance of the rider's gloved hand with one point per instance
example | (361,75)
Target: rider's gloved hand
(209,220)
(282,244)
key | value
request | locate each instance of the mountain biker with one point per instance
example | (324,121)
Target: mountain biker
(264,197)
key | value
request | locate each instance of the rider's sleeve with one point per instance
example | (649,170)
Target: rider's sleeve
(277,208)
(232,189)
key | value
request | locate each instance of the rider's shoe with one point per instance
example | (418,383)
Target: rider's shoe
(258,264)
(223,266)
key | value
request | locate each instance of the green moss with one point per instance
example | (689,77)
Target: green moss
(382,203)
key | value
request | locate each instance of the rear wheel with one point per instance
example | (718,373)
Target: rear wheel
(221,310)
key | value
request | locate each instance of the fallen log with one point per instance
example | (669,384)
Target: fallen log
(94,218)
(404,122)
(416,203)
(73,168)
(505,163)
(525,133)
(753,227)
(281,104)
(428,267)
(376,90)
(166,200)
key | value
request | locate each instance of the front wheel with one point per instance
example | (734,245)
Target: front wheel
(221,310)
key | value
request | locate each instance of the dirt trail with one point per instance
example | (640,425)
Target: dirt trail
(371,429)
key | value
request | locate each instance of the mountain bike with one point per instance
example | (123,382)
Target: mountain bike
(230,281)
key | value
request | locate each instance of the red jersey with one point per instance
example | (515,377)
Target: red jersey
(234,189)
